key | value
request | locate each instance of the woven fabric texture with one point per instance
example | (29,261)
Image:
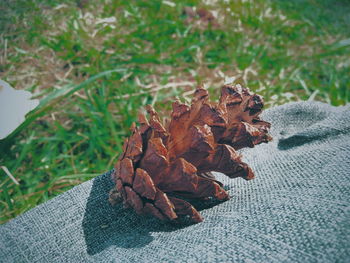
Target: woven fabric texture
(296,210)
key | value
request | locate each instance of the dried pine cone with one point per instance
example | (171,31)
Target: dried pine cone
(162,166)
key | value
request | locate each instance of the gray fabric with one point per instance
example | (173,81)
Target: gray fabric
(296,210)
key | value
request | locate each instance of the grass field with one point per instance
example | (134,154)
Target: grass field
(93,64)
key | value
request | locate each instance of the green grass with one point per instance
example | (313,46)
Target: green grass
(92,78)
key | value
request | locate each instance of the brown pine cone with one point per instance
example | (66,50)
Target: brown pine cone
(160,167)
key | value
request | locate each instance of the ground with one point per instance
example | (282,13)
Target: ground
(94,64)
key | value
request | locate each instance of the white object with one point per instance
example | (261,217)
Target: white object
(229,80)
(14,105)
(107,20)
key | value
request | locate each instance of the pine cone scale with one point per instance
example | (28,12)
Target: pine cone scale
(184,208)
(180,177)
(133,200)
(143,184)
(126,171)
(163,203)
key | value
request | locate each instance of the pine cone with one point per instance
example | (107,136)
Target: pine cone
(161,168)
